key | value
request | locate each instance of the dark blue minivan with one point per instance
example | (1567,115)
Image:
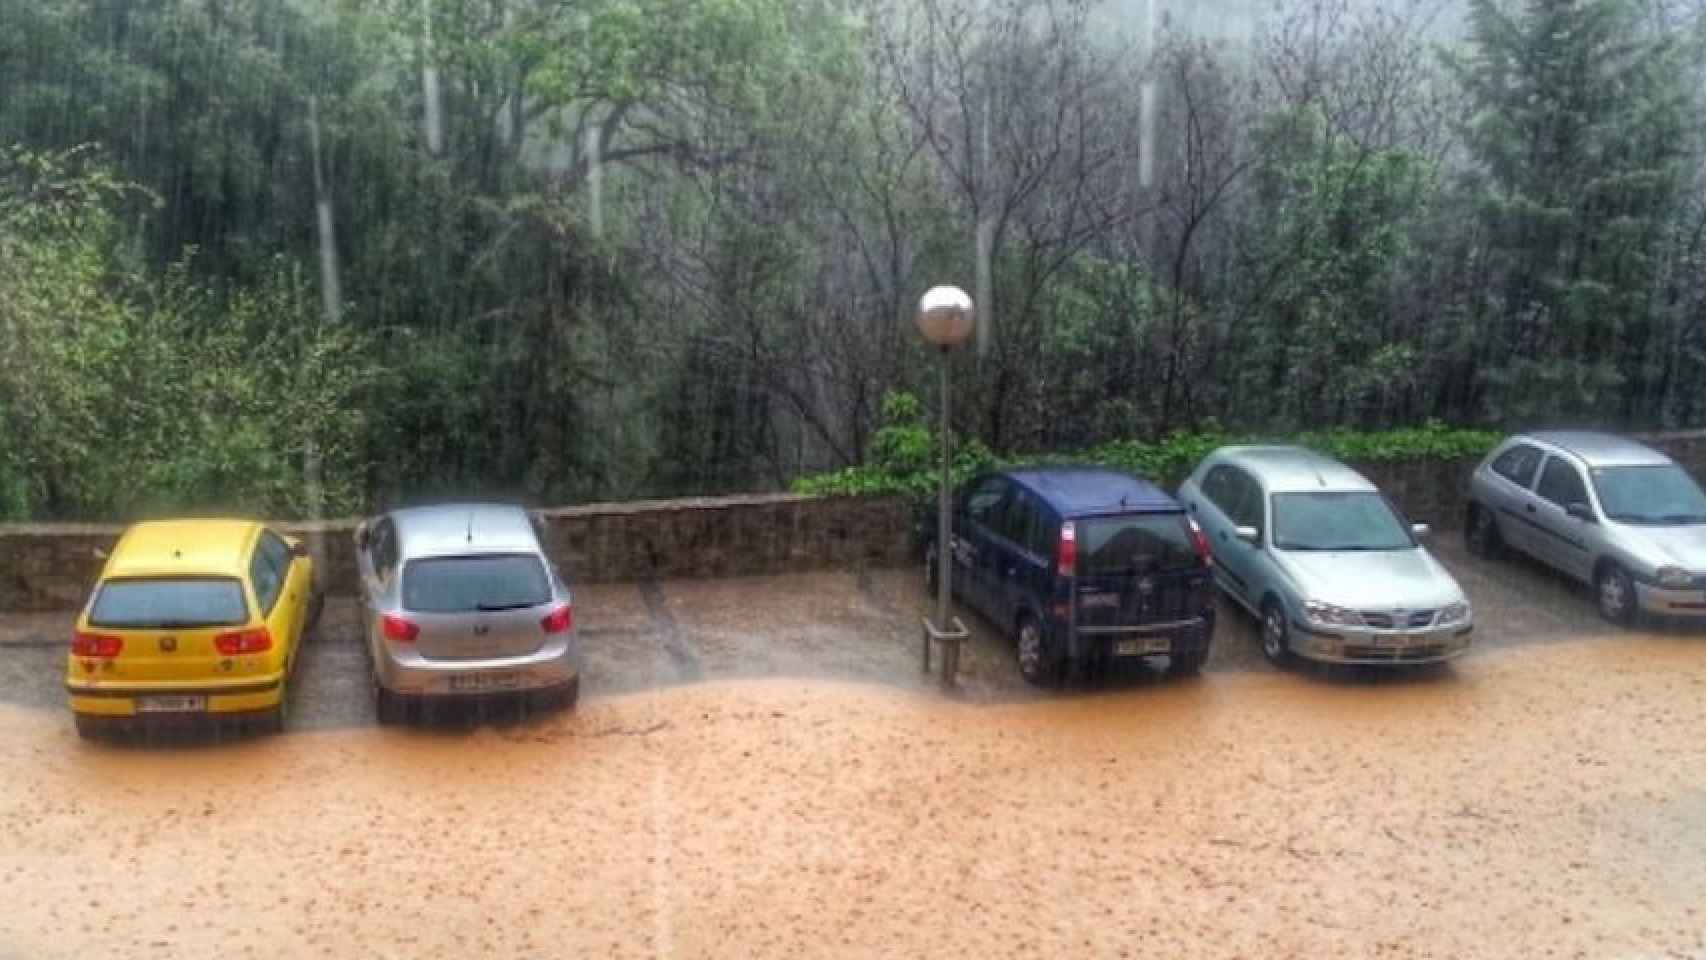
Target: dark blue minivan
(1080,564)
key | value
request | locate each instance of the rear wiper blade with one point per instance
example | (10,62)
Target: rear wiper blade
(494,607)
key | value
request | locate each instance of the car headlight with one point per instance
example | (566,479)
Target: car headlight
(1454,613)
(1330,615)
(1674,577)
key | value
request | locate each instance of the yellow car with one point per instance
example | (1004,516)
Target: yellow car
(191,617)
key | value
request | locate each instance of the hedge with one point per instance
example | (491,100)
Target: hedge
(903,451)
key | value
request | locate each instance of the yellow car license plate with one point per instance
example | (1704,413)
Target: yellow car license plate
(171,704)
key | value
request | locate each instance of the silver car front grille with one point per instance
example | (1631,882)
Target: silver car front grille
(1407,619)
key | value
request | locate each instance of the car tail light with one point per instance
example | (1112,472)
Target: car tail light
(95,644)
(398,629)
(1201,540)
(1068,555)
(257,640)
(558,620)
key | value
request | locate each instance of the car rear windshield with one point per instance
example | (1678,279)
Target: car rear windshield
(170,603)
(463,584)
(1655,495)
(1350,520)
(1135,543)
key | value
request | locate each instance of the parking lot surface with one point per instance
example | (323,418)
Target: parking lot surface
(862,627)
(758,769)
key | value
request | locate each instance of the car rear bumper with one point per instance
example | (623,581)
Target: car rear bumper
(1671,603)
(405,672)
(1140,639)
(1377,647)
(120,700)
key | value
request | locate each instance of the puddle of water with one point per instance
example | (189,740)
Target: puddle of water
(1533,797)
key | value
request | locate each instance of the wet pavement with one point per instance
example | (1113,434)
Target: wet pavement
(758,769)
(862,627)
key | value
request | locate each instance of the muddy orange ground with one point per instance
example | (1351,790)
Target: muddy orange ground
(1540,801)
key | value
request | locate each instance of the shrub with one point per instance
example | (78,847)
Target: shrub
(903,453)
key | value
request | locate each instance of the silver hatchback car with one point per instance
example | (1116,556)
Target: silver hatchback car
(1319,555)
(1603,509)
(461,600)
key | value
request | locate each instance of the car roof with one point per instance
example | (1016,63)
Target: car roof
(1601,449)
(188,547)
(1293,469)
(459,529)
(1090,490)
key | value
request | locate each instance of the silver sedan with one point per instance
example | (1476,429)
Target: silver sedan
(1603,509)
(461,600)
(1322,559)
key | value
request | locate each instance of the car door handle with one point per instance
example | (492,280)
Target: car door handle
(1529,507)
(1223,536)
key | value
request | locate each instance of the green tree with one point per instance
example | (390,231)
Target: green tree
(1580,128)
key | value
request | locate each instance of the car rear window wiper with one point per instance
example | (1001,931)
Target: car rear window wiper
(514,605)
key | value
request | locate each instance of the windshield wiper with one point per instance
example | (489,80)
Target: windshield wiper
(1680,518)
(494,607)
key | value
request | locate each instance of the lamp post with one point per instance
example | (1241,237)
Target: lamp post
(945,318)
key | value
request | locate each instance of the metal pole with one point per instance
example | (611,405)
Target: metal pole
(944,537)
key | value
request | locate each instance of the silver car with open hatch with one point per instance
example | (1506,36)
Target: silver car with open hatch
(461,600)
(1606,510)
(1323,560)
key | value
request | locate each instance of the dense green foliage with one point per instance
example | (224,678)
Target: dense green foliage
(903,453)
(325,255)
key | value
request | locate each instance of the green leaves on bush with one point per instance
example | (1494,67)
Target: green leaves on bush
(903,453)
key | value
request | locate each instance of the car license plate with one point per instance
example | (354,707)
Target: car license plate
(1391,640)
(1142,647)
(171,704)
(480,682)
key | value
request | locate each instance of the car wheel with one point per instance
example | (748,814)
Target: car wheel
(316,607)
(1616,593)
(273,719)
(556,698)
(388,707)
(88,727)
(1188,663)
(1037,663)
(1276,634)
(1482,535)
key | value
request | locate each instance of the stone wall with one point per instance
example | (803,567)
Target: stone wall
(51,566)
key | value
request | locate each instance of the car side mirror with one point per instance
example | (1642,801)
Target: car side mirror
(1249,535)
(361,535)
(1421,531)
(1580,511)
(298,548)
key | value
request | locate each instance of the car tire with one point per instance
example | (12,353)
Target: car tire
(1614,595)
(1188,662)
(274,719)
(388,708)
(89,727)
(316,607)
(1037,663)
(1481,535)
(556,698)
(1276,634)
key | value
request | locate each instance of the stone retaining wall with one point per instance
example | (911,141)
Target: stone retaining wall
(51,566)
